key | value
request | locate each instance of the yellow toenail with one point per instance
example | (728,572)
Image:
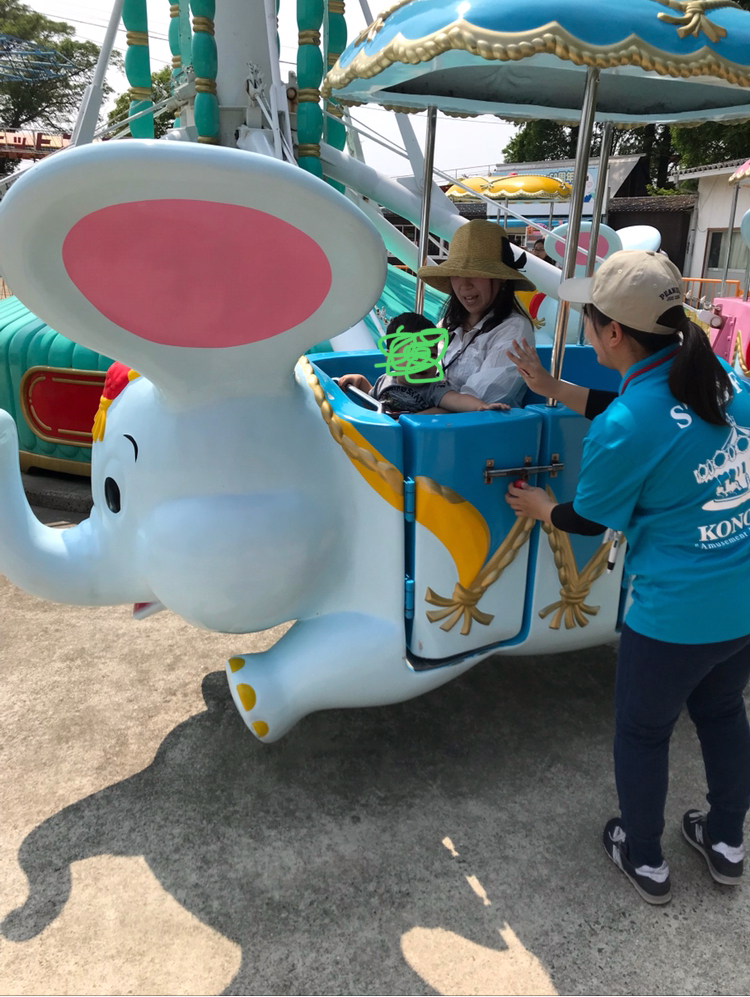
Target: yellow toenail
(247,695)
(236,663)
(261,728)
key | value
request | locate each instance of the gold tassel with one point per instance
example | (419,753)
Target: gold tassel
(100,420)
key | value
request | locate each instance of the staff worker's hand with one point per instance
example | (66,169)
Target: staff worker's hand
(525,500)
(530,368)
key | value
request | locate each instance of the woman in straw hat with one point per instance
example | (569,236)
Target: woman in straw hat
(667,462)
(482,315)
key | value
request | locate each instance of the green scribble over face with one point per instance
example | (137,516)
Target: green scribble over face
(408,354)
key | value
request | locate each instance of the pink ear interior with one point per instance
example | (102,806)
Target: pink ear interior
(583,243)
(196,273)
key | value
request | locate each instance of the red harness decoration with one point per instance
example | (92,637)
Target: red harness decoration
(118,378)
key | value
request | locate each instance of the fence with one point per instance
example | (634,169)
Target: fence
(701,291)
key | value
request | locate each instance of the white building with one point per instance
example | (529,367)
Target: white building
(707,249)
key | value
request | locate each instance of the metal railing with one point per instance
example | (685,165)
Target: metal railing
(701,291)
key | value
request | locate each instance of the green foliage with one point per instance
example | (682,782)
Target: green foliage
(162,88)
(680,188)
(711,143)
(538,140)
(49,105)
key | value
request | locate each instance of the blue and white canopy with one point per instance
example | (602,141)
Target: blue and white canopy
(669,61)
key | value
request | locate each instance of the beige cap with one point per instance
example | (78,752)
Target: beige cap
(633,287)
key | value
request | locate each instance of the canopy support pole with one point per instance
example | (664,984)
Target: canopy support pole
(599,198)
(88,115)
(601,189)
(730,235)
(424,222)
(585,133)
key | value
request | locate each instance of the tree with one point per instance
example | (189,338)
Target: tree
(711,143)
(161,86)
(50,104)
(538,140)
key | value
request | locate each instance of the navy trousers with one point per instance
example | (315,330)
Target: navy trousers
(655,680)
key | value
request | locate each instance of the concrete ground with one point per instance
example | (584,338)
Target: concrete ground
(446,845)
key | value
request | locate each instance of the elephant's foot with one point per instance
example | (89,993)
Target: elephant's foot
(346,659)
(260,704)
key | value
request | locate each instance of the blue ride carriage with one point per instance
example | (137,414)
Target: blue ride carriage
(519,590)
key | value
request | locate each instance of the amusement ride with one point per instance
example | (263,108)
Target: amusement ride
(236,268)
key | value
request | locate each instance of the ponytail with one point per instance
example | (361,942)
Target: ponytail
(696,377)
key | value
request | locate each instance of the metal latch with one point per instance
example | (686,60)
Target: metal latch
(409,500)
(409,598)
(553,469)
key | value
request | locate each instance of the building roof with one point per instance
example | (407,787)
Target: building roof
(711,170)
(660,202)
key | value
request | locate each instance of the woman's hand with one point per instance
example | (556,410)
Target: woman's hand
(525,500)
(495,407)
(531,370)
(354,381)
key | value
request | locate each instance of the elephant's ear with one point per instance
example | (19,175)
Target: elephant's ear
(208,270)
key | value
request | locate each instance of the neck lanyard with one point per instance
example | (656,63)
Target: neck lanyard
(651,366)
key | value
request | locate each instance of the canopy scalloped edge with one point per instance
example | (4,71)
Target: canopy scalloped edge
(552,39)
(743,173)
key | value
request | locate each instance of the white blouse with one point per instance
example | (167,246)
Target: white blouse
(483,368)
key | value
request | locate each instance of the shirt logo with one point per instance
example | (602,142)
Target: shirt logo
(730,468)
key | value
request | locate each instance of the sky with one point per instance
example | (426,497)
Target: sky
(462,146)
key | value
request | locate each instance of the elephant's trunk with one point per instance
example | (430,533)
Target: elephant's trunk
(61,565)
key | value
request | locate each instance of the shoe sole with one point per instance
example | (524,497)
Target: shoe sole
(648,897)
(717,876)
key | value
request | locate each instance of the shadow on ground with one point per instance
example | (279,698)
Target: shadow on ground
(319,853)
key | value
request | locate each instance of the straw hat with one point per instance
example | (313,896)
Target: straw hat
(478,249)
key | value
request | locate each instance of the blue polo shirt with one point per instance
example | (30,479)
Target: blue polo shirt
(679,489)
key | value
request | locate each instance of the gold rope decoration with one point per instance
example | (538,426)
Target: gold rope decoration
(738,355)
(204,84)
(137,37)
(463,603)
(310,95)
(205,24)
(309,149)
(140,93)
(309,37)
(694,18)
(575,587)
(388,472)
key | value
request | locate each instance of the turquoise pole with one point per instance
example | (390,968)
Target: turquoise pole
(138,66)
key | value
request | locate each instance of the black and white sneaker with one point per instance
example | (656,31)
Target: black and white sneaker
(652,882)
(724,862)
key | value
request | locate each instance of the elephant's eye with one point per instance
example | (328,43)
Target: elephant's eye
(112,495)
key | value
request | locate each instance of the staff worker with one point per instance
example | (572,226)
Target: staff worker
(667,462)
